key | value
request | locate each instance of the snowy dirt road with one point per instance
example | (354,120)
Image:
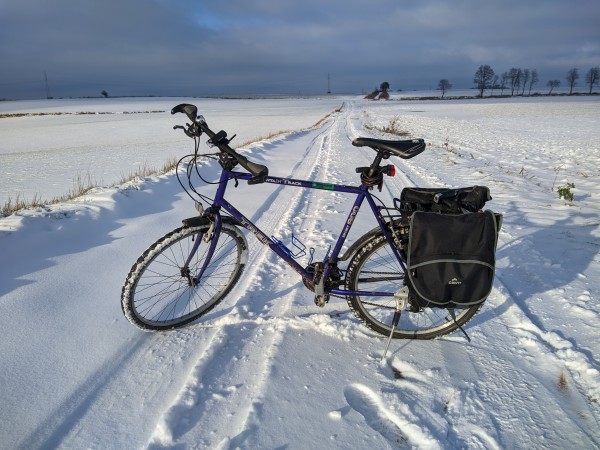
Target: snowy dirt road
(267,368)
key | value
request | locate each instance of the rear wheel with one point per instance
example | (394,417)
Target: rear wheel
(160,292)
(375,268)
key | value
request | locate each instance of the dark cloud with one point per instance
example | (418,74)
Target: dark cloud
(188,47)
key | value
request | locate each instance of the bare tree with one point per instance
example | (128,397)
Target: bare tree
(483,77)
(525,79)
(534,80)
(592,77)
(515,80)
(444,85)
(572,77)
(552,84)
(494,84)
(503,79)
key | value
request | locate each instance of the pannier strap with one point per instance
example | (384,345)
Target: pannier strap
(443,200)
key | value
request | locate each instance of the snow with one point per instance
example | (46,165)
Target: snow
(267,368)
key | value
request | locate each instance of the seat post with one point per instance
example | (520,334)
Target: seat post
(375,166)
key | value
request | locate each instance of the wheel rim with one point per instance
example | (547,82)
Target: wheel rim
(380,271)
(162,295)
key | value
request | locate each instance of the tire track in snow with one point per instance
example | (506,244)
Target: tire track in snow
(228,381)
(550,348)
(137,388)
(478,394)
(530,361)
(399,426)
(130,384)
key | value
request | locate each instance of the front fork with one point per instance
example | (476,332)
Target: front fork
(211,236)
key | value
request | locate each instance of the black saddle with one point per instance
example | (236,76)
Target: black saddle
(404,149)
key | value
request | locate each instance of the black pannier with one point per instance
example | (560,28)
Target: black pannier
(451,258)
(445,201)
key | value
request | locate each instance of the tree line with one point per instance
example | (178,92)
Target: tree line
(516,80)
(519,80)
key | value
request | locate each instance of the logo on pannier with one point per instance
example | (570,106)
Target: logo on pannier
(454,281)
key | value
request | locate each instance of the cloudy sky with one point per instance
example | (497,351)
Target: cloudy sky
(202,47)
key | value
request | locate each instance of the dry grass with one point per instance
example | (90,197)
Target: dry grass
(398,375)
(277,134)
(81,186)
(144,170)
(323,119)
(393,127)
(562,381)
(77,113)
(19,203)
(266,137)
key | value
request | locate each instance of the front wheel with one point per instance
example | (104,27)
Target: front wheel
(375,268)
(160,291)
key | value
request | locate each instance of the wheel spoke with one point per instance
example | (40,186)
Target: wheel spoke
(157,293)
(375,268)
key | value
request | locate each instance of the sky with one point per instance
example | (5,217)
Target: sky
(254,47)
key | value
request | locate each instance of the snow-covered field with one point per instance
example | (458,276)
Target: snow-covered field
(268,369)
(44,155)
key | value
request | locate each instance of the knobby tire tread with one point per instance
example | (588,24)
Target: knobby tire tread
(162,247)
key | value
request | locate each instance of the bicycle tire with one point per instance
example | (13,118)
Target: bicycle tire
(375,268)
(157,296)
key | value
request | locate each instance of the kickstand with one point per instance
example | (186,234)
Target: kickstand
(451,311)
(401,298)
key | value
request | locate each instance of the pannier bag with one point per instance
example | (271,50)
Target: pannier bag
(445,201)
(451,258)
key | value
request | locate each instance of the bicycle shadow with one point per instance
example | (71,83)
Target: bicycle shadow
(543,258)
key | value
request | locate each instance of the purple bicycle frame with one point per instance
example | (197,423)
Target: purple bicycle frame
(361,192)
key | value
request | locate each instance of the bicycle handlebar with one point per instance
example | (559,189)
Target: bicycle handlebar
(200,126)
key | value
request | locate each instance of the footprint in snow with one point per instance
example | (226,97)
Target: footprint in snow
(364,401)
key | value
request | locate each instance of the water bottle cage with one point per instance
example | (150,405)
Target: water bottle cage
(299,249)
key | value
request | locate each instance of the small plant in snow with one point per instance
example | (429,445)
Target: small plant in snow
(565,191)
(393,127)
(446,143)
(398,375)
(562,381)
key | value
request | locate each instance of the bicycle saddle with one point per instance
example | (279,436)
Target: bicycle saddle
(404,149)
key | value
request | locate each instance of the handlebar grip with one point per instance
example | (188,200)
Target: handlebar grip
(259,171)
(189,110)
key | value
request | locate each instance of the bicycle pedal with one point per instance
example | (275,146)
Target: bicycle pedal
(321,300)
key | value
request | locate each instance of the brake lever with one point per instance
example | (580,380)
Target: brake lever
(192,130)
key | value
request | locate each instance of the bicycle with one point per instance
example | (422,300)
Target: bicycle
(187,272)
